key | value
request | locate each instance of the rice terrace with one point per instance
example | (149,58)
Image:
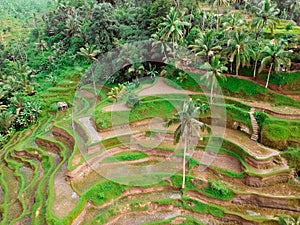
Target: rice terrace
(127,112)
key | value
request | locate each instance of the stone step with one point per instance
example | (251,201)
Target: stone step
(254,137)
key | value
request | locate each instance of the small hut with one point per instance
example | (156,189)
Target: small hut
(62,106)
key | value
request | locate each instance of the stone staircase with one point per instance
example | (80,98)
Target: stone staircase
(255,126)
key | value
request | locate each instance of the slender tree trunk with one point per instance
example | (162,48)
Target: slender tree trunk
(94,82)
(236,70)
(267,84)
(183,163)
(173,46)
(212,90)
(218,11)
(255,67)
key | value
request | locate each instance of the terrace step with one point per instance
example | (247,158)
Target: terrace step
(255,126)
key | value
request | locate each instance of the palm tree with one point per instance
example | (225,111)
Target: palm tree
(6,121)
(219,3)
(18,101)
(41,46)
(2,95)
(256,53)
(238,47)
(294,6)
(274,55)
(72,25)
(266,16)
(173,26)
(151,71)
(214,70)
(234,22)
(206,44)
(88,51)
(204,17)
(189,126)
(160,45)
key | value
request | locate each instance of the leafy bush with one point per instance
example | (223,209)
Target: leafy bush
(133,101)
(193,35)
(260,117)
(218,190)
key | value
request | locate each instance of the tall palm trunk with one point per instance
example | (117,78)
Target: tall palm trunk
(183,163)
(173,46)
(212,90)
(255,67)
(218,11)
(267,84)
(203,22)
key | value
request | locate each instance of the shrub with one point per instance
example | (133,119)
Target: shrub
(133,101)
(218,190)
(260,117)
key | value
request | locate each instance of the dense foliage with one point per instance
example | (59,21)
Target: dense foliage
(67,33)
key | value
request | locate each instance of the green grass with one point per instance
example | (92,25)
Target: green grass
(11,28)
(177,181)
(236,87)
(126,156)
(202,207)
(281,28)
(284,78)
(240,86)
(147,109)
(238,114)
(104,191)
(278,133)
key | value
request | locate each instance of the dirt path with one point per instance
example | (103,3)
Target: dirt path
(160,87)
(65,198)
(253,148)
(226,162)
